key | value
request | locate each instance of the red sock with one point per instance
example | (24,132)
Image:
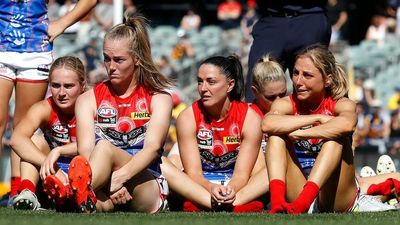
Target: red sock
(188,206)
(27,184)
(277,190)
(15,183)
(384,188)
(254,206)
(304,200)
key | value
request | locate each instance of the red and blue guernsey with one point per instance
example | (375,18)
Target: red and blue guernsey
(307,150)
(124,121)
(59,131)
(23,26)
(219,141)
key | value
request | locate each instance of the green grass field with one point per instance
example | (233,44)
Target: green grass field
(10,216)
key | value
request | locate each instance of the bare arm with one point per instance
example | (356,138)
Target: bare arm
(81,8)
(85,112)
(188,148)
(248,153)
(36,117)
(343,123)
(279,120)
(70,149)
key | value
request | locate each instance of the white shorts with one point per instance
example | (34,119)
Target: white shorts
(164,190)
(25,67)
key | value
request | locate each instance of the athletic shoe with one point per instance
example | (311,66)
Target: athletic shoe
(385,165)
(26,200)
(80,179)
(367,171)
(62,195)
(369,203)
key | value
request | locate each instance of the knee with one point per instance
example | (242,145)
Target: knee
(103,147)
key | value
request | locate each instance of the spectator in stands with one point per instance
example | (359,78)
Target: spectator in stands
(377,29)
(190,21)
(337,15)
(26,56)
(165,67)
(356,92)
(183,49)
(104,14)
(229,12)
(368,94)
(394,100)
(318,119)
(377,123)
(248,20)
(361,129)
(90,50)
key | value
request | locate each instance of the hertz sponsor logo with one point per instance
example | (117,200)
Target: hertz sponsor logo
(140,115)
(232,140)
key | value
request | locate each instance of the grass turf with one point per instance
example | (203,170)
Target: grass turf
(10,216)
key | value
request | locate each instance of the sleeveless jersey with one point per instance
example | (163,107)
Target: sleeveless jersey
(23,26)
(59,131)
(307,150)
(123,121)
(219,141)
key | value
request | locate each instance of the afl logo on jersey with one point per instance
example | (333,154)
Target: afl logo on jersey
(60,129)
(107,115)
(60,133)
(204,134)
(205,138)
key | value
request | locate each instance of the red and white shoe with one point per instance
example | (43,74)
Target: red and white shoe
(80,179)
(61,194)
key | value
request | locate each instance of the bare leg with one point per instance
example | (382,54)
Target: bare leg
(181,183)
(26,94)
(174,157)
(5,95)
(282,164)
(107,158)
(255,188)
(365,182)
(339,190)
